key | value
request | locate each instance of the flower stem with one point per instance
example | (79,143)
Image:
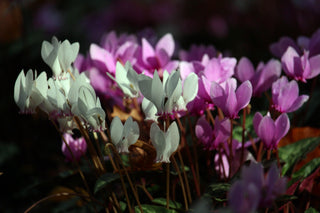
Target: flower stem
(185,176)
(181,181)
(115,167)
(168,185)
(243,134)
(127,175)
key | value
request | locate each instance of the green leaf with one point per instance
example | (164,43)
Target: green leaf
(311,210)
(123,206)
(153,209)
(219,191)
(306,170)
(104,180)
(163,202)
(293,153)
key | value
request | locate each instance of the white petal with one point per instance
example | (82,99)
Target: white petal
(190,87)
(116,130)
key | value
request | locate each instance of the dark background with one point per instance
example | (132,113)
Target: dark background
(30,146)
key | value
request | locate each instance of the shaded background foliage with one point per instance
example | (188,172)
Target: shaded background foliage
(30,146)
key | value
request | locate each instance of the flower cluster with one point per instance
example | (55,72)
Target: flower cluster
(152,95)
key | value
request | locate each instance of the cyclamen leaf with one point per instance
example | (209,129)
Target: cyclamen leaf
(104,180)
(153,209)
(293,153)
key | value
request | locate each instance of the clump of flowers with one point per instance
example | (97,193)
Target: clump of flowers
(189,122)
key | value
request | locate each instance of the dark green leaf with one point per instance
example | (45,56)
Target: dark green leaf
(163,202)
(306,170)
(219,191)
(123,206)
(153,209)
(104,180)
(293,153)
(311,210)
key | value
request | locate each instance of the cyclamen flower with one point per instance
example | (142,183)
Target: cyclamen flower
(150,59)
(299,67)
(165,142)
(262,78)
(127,80)
(271,132)
(230,100)
(255,190)
(167,96)
(113,49)
(211,139)
(123,136)
(29,93)
(85,104)
(78,147)
(285,95)
(59,56)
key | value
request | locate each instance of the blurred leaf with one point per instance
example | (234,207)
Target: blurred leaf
(153,209)
(163,202)
(311,210)
(67,206)
(306,170)
(219,191)
(123,206)
(7,151)
(104,180)
(308,183)
(293,153)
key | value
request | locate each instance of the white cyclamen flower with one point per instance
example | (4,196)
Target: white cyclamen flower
(123,136)
(127,79)
(59,56)
(189,91)
(165,142)
(30,92)
(84,103)
(164,95)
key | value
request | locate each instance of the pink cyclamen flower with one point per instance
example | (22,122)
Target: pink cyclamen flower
(255,190)
(150,59)
(285,95)
(262,78)
(269,131)
(211,138)
(230,100)
(77,146)
(299,67)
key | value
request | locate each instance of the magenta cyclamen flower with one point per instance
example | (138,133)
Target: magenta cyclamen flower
(270,132)
(230,100)
(150,59)
(285,95)
(212,138)
(196,53)
(77,146)
(262,78)
(255,190)
(299,67)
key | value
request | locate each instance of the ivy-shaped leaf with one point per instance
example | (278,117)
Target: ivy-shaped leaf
(153,209)
(163,202)
(104,180)
(293,153)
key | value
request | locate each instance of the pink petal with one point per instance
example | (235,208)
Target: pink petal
(282,125)
(256,121)
(266,131)
(314,66)
(243,94)
(244,70)
(217,94)
(147,51)
(103,58)
(298,103)
(288,94)
(288,61)
(167,44)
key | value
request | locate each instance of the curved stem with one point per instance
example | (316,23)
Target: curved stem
(181,181)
